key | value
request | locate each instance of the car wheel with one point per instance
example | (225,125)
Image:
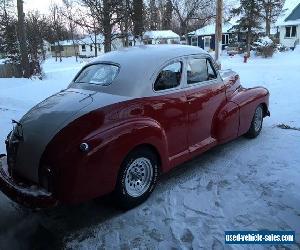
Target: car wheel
(256,124)
(137,178)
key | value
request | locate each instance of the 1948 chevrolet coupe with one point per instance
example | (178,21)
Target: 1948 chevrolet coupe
(125,118)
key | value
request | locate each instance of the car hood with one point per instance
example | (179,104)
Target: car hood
(46,119)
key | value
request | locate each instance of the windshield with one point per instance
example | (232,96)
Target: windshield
(100,74)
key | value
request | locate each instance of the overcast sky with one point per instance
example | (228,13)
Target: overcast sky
(41,5)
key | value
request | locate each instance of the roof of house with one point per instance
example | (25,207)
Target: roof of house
(211,28)
(160,34)
(290,13)
(86,40)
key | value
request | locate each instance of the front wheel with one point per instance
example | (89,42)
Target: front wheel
(137,178)
(256,124)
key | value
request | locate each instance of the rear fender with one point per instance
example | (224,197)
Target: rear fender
(95,173)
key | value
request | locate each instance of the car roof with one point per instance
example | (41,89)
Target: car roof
(156,54)
(138,66)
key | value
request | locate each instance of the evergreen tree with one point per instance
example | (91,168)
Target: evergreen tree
(138,20)
(167,15)
(249,22)
(154,15)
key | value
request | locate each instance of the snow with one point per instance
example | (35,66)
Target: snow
(89,39)
(211,29)
(160,34)
(287,9)
(264,41)
(242,185)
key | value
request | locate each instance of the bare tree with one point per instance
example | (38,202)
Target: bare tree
(22,40)
(105,14)
(35,24)
(69,13)
(57,29)
(187,10)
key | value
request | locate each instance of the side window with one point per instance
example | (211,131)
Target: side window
(169,77)
(196,70)
(200,70)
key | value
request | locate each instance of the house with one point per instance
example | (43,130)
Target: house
(64,48)
(86,46)
(205,36)
(288,23)
(161,37)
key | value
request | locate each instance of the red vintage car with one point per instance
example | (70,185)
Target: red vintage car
(127,117)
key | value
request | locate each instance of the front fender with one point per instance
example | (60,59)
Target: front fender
(248,100)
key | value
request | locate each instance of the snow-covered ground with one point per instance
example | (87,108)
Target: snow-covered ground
(242,185)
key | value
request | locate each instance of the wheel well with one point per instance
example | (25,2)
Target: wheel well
(265,109)
(153,150)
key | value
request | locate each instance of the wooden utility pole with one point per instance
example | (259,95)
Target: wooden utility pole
(22,40)
(218,39)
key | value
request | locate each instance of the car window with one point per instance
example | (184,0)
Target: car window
(196,70)
(200,70)
(100,74)
(169,77)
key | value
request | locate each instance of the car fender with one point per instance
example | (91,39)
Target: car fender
(248,99)
(225,124)
(82,176)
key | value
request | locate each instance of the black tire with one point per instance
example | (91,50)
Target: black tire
(254,129)
(123,197)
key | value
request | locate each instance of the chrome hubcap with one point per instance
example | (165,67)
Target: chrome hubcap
(258,117)
(138,177)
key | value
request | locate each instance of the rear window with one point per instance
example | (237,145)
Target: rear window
(100,74)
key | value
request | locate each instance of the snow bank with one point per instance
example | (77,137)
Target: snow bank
(160,34)
(264,41)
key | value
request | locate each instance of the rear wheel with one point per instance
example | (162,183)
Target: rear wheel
(256,124)
(137,178)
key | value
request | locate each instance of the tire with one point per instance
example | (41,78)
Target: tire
(137,178)
(256,123)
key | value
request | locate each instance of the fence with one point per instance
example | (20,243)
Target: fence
(10,70)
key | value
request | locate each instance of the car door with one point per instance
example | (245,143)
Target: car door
(205,93)
(169,108)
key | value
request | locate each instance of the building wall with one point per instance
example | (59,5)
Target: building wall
(89,50)
(289,42)
(66,50)
(212,41)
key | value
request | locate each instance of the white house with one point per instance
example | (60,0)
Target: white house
(87,45)
(161,37)
(288,23)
